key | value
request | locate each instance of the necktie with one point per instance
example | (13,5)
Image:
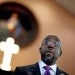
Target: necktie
(47,68)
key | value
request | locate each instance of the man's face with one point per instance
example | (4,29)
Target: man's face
(49,51)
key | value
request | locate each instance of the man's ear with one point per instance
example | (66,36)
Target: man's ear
(60,53)
(40,49)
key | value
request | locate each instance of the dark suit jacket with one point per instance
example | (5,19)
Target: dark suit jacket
(33,70)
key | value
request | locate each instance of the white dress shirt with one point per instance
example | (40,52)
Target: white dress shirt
(42,70)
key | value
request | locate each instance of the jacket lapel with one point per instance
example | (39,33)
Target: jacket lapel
(57,71)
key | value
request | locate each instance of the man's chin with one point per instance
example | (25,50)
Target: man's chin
(48,61)
(48,58)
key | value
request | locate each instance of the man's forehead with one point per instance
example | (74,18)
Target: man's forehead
(51,40)
(48,39)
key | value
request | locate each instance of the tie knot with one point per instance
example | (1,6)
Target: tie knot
(47,68)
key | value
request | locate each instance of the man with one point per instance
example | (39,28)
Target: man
(50,50)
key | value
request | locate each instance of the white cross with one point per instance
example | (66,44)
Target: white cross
(8,48)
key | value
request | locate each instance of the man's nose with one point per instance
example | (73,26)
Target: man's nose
(50,46)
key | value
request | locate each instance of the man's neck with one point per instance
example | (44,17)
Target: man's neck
(49,63)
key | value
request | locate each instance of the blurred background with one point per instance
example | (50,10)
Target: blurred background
(46,17)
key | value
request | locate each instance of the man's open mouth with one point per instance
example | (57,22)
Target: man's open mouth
(48,54)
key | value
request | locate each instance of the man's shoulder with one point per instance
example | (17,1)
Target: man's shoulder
(61,72)
(26,67)
(25,70)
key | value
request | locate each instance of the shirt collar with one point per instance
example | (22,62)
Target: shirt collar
(42,64)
